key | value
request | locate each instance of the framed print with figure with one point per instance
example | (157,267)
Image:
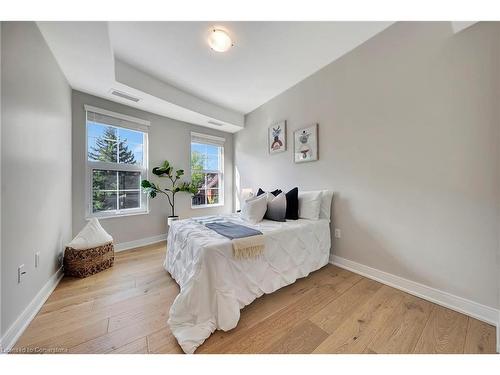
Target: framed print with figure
(306,144)
(277,138)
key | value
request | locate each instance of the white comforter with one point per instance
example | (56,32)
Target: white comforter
(214,286)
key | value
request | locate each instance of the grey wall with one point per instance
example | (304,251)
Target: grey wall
(497,120)
(36,164)
(409,143)
(168,140)
(1,186)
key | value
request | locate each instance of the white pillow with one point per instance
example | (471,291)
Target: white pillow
(309,204)
(92,235)
(326,204)
(254,209)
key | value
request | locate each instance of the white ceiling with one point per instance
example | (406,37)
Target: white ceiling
(267,57)
(171,69)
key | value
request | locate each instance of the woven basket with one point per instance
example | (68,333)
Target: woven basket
(83,263)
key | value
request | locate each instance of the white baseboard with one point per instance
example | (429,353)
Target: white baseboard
(476,310)
(17,328)
(138,243)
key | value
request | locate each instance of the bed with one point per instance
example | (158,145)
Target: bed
(214,286)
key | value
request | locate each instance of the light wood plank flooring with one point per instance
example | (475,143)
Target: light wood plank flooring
(125,310)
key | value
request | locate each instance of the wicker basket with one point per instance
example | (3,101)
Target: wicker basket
(83,263)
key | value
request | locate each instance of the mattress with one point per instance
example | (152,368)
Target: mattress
(214,286)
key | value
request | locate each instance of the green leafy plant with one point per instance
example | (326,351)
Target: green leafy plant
(167,171)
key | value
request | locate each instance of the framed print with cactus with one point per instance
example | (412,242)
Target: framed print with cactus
(276,135)
(306,144)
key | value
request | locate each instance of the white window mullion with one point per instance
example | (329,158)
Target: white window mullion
(206,191)
(117,191)
(115,166)
(118,146)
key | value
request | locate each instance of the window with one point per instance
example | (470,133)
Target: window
(117,162)
(207,167)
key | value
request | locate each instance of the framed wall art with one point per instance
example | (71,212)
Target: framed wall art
(277,138)
(306,144)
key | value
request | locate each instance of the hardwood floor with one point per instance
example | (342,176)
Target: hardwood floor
(125,310)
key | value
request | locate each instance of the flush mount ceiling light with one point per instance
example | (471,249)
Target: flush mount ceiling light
(219,40)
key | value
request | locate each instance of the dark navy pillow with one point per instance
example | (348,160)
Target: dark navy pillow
(275,192)
(292,204)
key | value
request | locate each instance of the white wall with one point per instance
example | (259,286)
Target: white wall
(168,140)
(36,165)
(409,143)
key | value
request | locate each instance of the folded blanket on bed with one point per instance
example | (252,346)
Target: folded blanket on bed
(232,230)
(248,247)
(247,242)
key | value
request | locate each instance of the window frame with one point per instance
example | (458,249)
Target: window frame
(90,166)
(212,141)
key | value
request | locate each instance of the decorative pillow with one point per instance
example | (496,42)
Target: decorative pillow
(310,204)
(92,235)
(326,204)
(276,207)
(275,192)
(292,204)
(254,209)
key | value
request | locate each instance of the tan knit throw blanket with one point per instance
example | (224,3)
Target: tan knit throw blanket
(248,247)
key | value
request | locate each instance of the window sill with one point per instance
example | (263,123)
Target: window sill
(112,216)
(207,206)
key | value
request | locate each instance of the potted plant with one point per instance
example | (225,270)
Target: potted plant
(166,170)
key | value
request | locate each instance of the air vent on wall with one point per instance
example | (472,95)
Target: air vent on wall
(124,95)
(211,122)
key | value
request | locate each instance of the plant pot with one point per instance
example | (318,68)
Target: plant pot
(171,219)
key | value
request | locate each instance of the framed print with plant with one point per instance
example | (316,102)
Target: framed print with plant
(306,144)
(276,138)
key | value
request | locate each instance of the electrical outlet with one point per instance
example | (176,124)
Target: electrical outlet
(20,273)
(37,259)
(338,233)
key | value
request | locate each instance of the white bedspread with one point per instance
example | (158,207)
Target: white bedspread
(214,286)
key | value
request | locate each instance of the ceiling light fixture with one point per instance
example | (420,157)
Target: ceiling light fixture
(219,40)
